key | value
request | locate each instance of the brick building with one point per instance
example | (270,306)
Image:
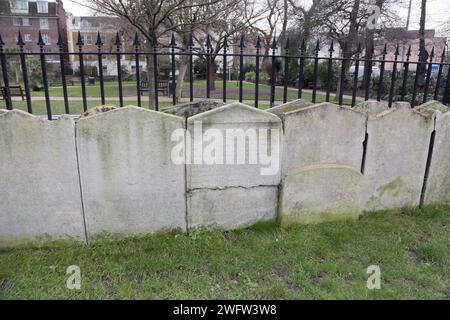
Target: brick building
(29,17)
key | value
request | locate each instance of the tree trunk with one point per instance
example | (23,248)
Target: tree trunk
(181,75)
(150,77)
(422,50)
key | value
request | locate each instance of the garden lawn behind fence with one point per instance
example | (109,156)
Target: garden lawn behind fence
(324,261)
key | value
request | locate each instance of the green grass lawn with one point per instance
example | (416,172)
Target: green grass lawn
(324,261)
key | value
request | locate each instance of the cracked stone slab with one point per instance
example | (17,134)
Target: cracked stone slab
(281,109)
(397,150)
(41,198)
(192,108)
(231,208)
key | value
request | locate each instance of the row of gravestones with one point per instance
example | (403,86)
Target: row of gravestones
(115,173)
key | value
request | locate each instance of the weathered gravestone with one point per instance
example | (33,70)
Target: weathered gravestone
(41,198)
(322,156)
(437,188)
(396,156)
(130,184)
(234,171)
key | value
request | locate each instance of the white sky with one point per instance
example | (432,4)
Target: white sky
(438,12)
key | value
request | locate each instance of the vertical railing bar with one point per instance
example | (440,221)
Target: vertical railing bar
(380,81)
(136,45)
(44,76)
(23,64)
(155,71)
(428,76)
(286,66)
(272,76)
(438,80)
(241,67)
(355,75)
(208,57)
(80,44)
(191,68)
(258,48)
(99,44)
(172,58)
(63,73)
(393,77)
(316,64)
(119,68)
(405,74)
(300,69)
(224,67)
(8,100)
(330,74)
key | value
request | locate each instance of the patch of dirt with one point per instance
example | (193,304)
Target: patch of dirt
(5,287)
(413,257)
(315,280)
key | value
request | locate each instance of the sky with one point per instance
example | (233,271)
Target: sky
(438,11)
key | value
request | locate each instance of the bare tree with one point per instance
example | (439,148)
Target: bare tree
(150,18)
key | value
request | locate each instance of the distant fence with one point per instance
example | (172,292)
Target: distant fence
(402,83)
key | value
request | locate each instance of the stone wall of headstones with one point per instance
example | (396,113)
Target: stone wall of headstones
(131,171)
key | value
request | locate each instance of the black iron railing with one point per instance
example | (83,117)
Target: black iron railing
(415,82)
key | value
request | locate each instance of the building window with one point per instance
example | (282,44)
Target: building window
(42,6)
(43,23)
(27,37)
(17,21)
(46,39)
(19,5)
(26,22)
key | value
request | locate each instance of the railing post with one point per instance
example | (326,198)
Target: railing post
(405,74)
(330,74)
(286,67)
(393,77)
(316,64)
(118,44)
(80,44)
(445,97)
(438,80)
(224,66)
(63,74)
(5,76)
(258,49)
(41,45)
(23,65)
(191,68)
(300,69)
(241,66)
(208,75)
(172,57)
(155,69)
(272,76)
(99,44)
(136,45)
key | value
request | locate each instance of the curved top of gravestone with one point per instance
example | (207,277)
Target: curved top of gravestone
(96,110)
(373,107)
(190,109)
(25,116)
(289,106)
(430,107)
(130,110)
(235,113)
(326,106)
